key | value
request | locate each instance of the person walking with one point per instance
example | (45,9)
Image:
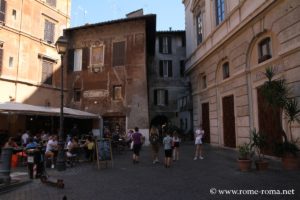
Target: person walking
(167,142)
(137,138)
(154,141)
(176,142)
(198,142)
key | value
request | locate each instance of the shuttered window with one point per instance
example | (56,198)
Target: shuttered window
(119,53)
(165,45)
(161,97)
(47,72)
(2,10)
(49,31)
(70,60)
(1,59)
(51,2)
(117,92)
(165,68)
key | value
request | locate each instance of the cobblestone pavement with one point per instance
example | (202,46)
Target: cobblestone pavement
(186,179)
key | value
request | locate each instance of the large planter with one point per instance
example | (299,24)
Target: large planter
(244,165)
(290,162)
(261,165)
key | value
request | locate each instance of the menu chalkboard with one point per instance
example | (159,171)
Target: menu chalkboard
(104,151)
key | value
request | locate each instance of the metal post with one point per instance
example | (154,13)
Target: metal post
(61,162)
(5,165)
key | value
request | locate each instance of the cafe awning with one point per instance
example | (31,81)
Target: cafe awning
(26,109)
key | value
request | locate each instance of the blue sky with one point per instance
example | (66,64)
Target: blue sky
(170,13)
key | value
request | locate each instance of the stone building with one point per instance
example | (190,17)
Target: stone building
(168,87)
(28,58)
(229,44)
(107,70)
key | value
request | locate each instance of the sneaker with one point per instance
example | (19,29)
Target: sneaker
(52,166)
(195,158)
(201,158)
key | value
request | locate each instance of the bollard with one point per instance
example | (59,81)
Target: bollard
(5,164)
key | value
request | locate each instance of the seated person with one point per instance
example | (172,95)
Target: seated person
(72,147)
(31,144)
(10,143)
(51,148)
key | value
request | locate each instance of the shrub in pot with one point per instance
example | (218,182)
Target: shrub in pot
(258,143)
(244,158)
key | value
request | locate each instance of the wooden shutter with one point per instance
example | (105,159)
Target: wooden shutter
(2,10)
(155,97)
(170,68)
(166,97)
(169,45)
(47,72)
(161,68)
(70,60)
(1,59)
(85,58)
(119,54)
(160,43)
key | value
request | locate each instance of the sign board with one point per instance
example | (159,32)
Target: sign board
(104,152)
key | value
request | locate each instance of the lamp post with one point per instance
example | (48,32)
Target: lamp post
(61,47)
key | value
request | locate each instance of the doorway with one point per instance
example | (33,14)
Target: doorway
(229,122)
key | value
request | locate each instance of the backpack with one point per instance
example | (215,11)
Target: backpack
(154,139)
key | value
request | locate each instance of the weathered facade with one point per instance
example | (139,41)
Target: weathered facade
(107,70)
(229,45)
(28,58)
(169,98)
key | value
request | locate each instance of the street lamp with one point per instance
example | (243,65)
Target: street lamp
(61,47)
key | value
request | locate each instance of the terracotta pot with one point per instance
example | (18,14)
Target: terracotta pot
(290,162)
(244,165)
(261,165)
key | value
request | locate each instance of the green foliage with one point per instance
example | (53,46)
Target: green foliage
(245,151)
(292,110)
(258,142)
(286,147)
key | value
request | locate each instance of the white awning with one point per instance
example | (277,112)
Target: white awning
(26,109)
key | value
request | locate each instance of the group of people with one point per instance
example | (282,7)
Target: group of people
(170,142)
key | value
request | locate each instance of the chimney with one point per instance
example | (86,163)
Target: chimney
(136,13)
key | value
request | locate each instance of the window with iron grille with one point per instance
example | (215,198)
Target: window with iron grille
(51,2)
(220,11)
(49,31)
(161,97)
(117,92)
(47,72)
(199,28)
(165,45)
(225,70)
(264,49)
(119,54)
(165,68)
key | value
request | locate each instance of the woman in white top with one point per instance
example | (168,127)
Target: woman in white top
(198,142)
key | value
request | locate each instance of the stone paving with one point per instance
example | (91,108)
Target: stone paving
(186,179)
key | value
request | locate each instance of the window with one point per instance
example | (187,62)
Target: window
(161,97)
(165,45)
(77,94)
(119,53)
(77,60)
(51,2)
(220,11)
(1,55)
(203,82)
(11,62)
(2,10)
(225,70)
(165,68)
(47,71)
(97,55)
(199,28)
(264,50)
(117,92)
(49,31)
(14,14)
(182,68)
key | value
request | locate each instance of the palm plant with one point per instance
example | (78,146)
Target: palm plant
(292,111)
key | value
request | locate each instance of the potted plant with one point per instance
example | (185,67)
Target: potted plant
(277,94)
(258,143)
(244,158)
